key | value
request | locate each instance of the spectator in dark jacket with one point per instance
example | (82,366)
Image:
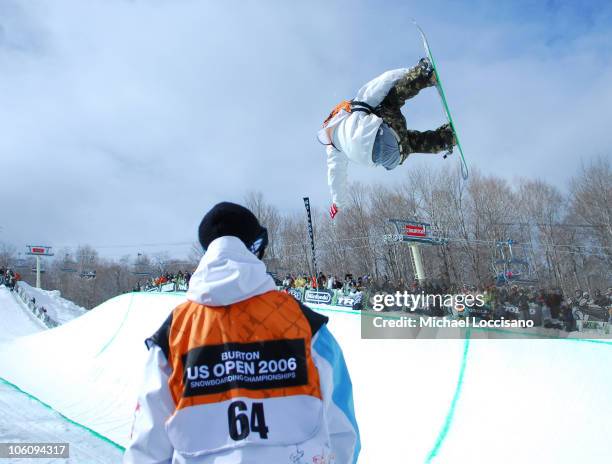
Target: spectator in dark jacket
(553,301)
(568,318)
(523,305)
(321,281)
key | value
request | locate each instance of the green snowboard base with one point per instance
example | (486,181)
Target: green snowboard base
(464,166)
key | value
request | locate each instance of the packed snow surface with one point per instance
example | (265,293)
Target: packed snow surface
(545,401)
(15,320)
(23,418)
(58,308)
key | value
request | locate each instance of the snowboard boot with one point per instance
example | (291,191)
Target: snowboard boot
(447,137)
(427,71)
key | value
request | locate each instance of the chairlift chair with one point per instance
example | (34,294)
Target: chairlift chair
(68,265)
(21,263)
(508,268)
(90,274)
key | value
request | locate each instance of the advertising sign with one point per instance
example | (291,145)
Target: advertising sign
(318,296)
(38,250)
(295,293)
(415,230)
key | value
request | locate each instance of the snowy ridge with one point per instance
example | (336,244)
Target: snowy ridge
(24,419)
(531,391)
(58,308)
(88,369)
(47,426)
(16,320)
(28,304)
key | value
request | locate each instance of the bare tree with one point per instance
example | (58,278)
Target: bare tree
(544,207)
(270,218)
(8,254)
(195,254)
(567,236)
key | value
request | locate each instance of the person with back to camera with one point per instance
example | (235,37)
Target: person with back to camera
(241,372)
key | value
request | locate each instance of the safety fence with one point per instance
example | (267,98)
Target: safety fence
(167,287)
(345,299)
(571,320)
(38,311)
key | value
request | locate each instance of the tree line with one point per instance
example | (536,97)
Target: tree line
(564,232)
(88,279)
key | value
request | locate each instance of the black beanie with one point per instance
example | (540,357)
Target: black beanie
(229,219)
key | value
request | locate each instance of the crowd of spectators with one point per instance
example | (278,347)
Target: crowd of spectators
(552,308)
(547,307)
(348,284)
(9,278)
(179,279)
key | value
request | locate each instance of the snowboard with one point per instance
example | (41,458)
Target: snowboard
(449,117)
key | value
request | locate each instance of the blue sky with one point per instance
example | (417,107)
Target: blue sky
(124,121)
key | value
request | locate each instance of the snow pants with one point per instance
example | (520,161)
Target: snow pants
(412,141)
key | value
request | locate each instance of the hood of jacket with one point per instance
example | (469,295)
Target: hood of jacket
(228,272)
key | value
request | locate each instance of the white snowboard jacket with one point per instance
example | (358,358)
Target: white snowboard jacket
(285,426)
(353,134)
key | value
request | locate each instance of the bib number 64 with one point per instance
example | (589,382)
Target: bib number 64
(241,426)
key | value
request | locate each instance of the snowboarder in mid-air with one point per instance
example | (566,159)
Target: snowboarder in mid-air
(371,130)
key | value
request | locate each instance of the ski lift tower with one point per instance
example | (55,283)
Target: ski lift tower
(38,251)
(416,234)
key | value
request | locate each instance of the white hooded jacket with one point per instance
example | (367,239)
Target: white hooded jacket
(354,134)
(229,273)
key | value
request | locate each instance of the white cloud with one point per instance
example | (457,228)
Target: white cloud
(123,122)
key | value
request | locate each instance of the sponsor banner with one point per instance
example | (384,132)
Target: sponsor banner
(594,325)
(295,293)
(323,296)
(318,296)
(512,309)
(169,287)
(415,230)
(39,250)
(353,300)
(479,311)
(347,301)
(252,366)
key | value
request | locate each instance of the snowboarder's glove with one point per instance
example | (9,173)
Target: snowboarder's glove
(427,71)
(333,210)
(426,66)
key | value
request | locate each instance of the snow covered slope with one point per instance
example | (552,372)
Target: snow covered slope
(58,308)
(447,401)
(22,418)
(15,321)
(89,369)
